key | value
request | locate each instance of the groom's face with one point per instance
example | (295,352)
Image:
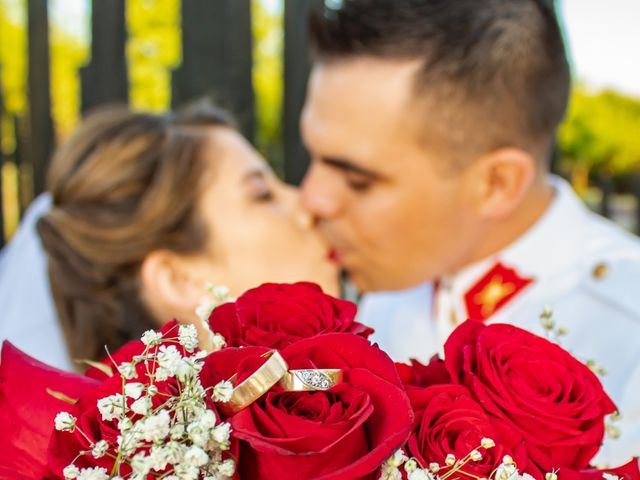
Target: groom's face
(393,212)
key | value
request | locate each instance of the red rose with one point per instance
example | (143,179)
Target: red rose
(344,433)
(27,410)
(418,375)
(277,315)
(532,385)
(448,421)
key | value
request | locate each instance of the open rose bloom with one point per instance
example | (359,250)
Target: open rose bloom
(502,404)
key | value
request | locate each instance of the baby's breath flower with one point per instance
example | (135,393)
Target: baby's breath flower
(208,419)
(387,472)
(553,476)
(196,456)
(219,342)
(152,390)
(221,434)
(187,369)
(158,458)
(188,337)
(434,467)
(610,476)
(111,407)
(199,436)
(221,292)
(450,460)
(151,338)
(203,311)
(227,467)
(187,472)
(487,443)
(141,464)
(95,473)
(507,460)
(475,455)
(65,422)
(397,459)
(125,424)
(141,406)
(199,355)
(129,441)
(156,427)
(222,391)
(174,452)
(177,431)
(133,390)
(168,358)
(506,471)
(71,471)
(410,466)
(390,469)
(420,474)
(127,370)
(99,449)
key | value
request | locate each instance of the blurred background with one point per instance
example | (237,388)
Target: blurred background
(59,58)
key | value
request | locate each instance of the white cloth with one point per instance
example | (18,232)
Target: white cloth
(586,268)
(393,314)
(28,315)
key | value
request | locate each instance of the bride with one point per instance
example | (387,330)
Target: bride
(145,211)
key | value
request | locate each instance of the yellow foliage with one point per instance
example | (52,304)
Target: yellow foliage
(68,54)
(601,131)
(153,50)
(268,74)
(10,178)
(13,54)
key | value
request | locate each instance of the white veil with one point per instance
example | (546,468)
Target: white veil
(28,318)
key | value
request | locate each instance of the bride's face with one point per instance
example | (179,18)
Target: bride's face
(257,231)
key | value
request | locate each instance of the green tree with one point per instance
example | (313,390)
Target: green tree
(600,134)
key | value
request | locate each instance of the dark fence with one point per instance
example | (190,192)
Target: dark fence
(217,59)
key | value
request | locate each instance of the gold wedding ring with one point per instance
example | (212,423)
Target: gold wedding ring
(311,380)
(257,384)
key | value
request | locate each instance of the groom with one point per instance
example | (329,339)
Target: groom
(431,125)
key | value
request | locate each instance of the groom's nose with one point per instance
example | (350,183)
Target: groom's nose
(320,192)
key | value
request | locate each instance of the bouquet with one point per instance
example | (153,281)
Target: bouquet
(293,389)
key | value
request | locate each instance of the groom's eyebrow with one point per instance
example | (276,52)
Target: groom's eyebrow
(349,167)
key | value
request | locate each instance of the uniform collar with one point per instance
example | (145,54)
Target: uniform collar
(545,248)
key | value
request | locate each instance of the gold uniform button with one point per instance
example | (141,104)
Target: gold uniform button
(600,271)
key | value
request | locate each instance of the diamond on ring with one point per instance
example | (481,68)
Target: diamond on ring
(311,380)
(314,379)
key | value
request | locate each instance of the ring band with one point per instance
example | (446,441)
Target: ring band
(257,384)
(311,380)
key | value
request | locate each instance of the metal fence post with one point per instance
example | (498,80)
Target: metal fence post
(105,80)
(217,58)
(40,122)
(296,72)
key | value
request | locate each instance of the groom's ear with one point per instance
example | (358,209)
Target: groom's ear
(168,287)
(499,180)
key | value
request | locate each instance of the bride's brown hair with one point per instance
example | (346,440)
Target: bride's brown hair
(125,184)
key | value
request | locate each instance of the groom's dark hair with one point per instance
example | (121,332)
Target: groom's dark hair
(494,72)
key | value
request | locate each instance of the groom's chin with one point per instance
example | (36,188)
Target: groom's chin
(368,281)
